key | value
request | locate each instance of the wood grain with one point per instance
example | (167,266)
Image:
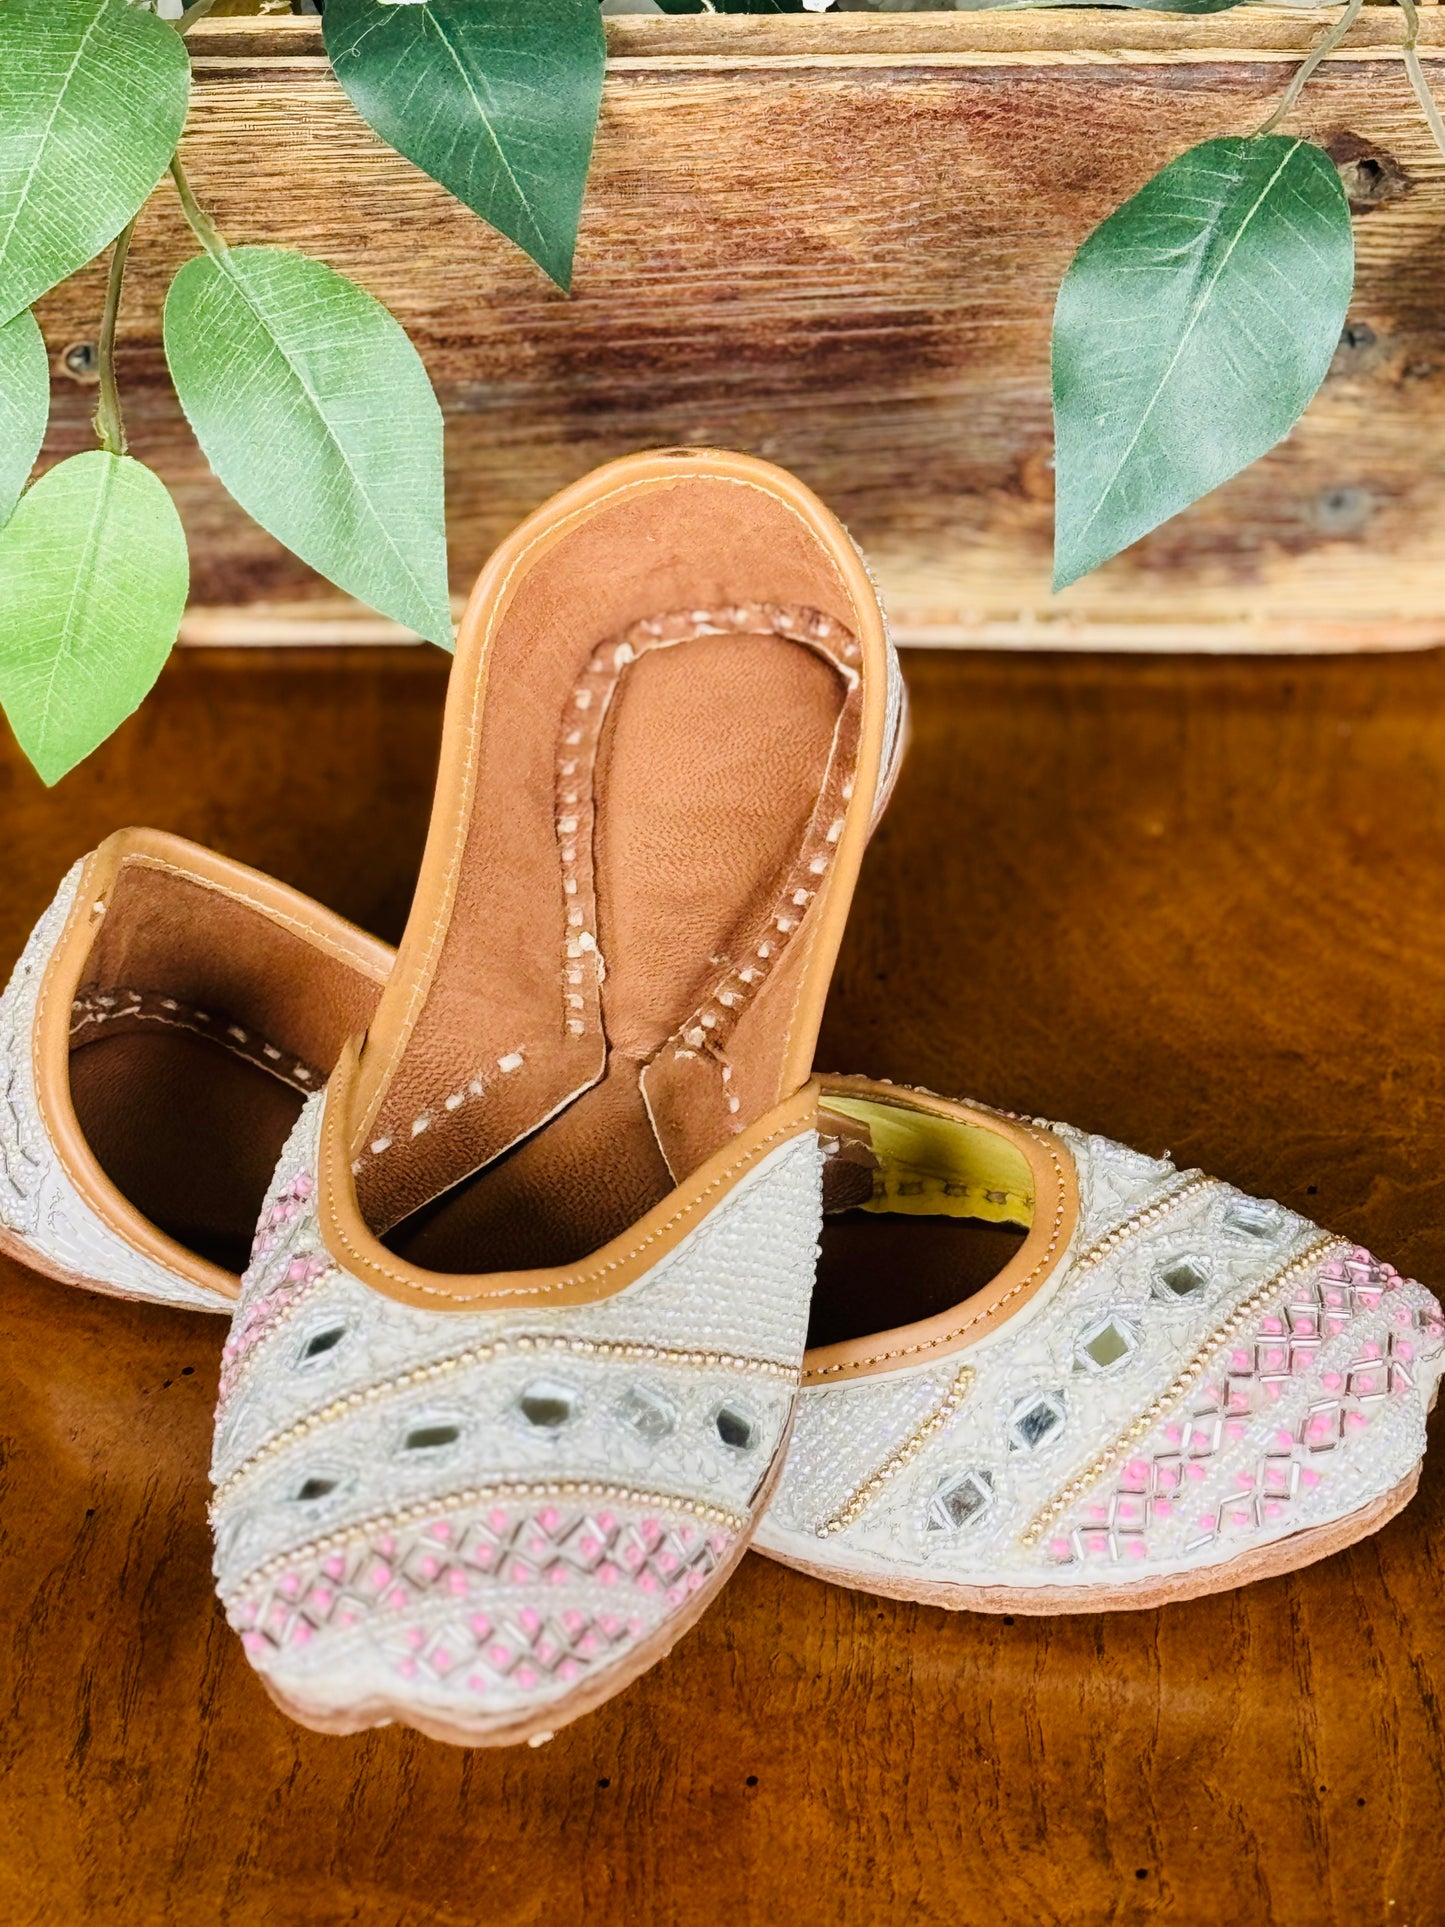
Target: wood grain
(1193,904)
(837,243)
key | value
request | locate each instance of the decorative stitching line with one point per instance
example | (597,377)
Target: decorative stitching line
(249,1047)
(526,1343)
(421,980)
(863,1495)
(1314,1253)
(482,1495)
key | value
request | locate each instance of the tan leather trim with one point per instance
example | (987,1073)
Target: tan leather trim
(1056,1214)
(64,972)
(426,929)
(606,1272)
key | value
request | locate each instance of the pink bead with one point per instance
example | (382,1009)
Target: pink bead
(1245,1480)
(1163,1508)
(1240,1362)
(430,1567)
(1356,1421)
(301,1633)
(548,1519)
(481,1627)
(608,1574)
(335,1566)
(415,1637)
(396,1598)
(1273,1509)
(407,1668)
(497,1519)
(291,1584)
(456,1582)
(386,1546)
(694,1581)
(1135,1549)
(1331,1381)
(646,1582)
(573,1621)
(606,1523)
(1271,1327)
(499,1655)
(569,1669)
(530,1619)
(1234,1430)
(1206,1520)
(525,1678)
(557,1575)
(1404,1350)
(1195,1471)
(1308,1476)
(443,1660)
(1171,1432)
(321,1598)
(440,1530)
(523,1572)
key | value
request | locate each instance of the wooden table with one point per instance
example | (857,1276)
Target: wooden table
(1192,904)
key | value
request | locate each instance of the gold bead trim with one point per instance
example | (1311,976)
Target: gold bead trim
(1195,1185)
(526,1345)
(1314,1254)
(864,1495)
(514,1489)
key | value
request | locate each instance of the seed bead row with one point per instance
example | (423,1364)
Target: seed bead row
(514,1489)
(1313,1255)
(600,1348)
(864,1495)
(1195,1185)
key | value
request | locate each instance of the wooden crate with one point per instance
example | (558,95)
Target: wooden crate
(836,241)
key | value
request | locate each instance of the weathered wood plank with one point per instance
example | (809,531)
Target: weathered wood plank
(837,242)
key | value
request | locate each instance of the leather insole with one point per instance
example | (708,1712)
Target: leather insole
(708,771)
(189,1132)
(880,1270)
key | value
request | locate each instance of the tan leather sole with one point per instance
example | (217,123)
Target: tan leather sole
(13,1246)
(535,1728)
(1265,1562)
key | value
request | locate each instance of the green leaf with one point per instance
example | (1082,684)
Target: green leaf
(1192,328)
(93,579)
(93,96)
(496,99)
(315,411)
(24,405)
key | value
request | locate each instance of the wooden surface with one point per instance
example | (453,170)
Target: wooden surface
(837,242)
(1193,904)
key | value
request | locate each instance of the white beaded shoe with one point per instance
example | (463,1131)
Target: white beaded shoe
(158,1037)
(1165,1388)
(517,1352)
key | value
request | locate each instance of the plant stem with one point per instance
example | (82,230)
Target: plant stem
(197,11)
(1327,44)
(1417,75)
(202,226)
(109,421)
